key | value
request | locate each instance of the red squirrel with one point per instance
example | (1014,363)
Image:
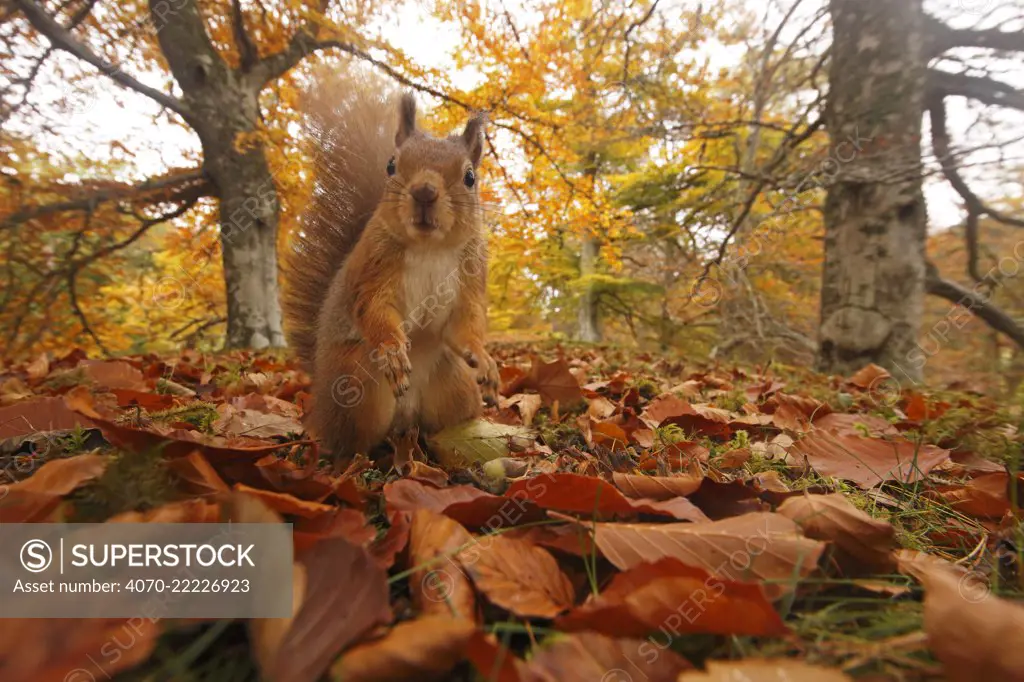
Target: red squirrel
(386,296)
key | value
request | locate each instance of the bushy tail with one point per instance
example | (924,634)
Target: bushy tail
(351,122)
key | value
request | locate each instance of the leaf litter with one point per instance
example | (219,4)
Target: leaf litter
(615,514)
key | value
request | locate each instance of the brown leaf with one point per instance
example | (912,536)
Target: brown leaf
(425,648)
(283,503)
(340,595)
(113,374)
(591,495)
(196,476)
(38,368)
(253,423)
(65,649)
(975,634)
(421,471)
(440,586)
(685,599)
(34,498)
(842,424)
(870,376)
(39,415)
(520,577)
(183,511)
(554,382)
(861,539)
(758,546)
(526,403)
(868,461)
(589,657)
(656,487)
(701,419)
(985,496)
(765,670)
(470,506)
(337,523)
(600,407)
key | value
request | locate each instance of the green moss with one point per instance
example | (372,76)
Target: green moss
(133,481)
(199,414)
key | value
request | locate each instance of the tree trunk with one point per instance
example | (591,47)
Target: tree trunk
(248,226)
(873,282)
(589,319)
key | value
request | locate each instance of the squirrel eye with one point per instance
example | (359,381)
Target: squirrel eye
(469,178)
(391,166)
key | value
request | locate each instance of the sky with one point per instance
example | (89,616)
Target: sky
(115,124)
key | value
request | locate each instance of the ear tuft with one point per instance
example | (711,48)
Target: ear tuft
(473,137)
(406,118)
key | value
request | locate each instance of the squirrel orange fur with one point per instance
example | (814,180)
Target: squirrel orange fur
(386,297)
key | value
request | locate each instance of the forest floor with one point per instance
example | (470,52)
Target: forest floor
(620,517)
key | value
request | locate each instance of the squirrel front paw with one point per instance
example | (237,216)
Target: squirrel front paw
(394,362)
(487,377)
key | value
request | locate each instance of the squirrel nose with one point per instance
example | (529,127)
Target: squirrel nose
(424,194)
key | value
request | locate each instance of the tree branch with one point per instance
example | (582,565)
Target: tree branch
(985,90)
(181,32)
(243,42)
(943,38)
(974,303)
(62,39)
(92,199)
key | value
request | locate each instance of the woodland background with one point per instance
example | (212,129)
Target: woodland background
(664,175)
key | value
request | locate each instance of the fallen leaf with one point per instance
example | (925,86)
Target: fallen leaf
(590,495)
(283,503)
(65,649)
(684,599)
(183,511)
(586,657)
(468,505)
(758,546)
(112,374)
(39,415)
(520,577)
(38,368)
(438,585)
(656,487)
(152,402)
(985,496)
(554,382)
(765,670)
(253,423)
(526,403)
(196,476)
(339,522)
(975,634)
(843,424)
(700,419)
(32,499)
(861,539)
(425,648)
(478,441)
(870,376)
(340,595)
(868,461)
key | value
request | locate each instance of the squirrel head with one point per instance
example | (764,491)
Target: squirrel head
(432,187)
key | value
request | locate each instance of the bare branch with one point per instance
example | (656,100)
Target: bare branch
(985,90)
(975,303)
(62,39)
(93,199)
(943,38)
(242,40)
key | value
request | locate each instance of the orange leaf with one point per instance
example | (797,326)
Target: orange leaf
(586,657)
(32,499)
(765,670)
(424,648)
(520,577)
(671,594)
(868,461)
(441,586)
(861,539)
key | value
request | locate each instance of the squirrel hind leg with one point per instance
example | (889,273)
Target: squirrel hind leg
(352,410)
(451,397)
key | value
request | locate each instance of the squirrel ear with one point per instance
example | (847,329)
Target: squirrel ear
(406,118)
(473,137)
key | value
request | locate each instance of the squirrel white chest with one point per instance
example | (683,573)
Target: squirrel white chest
(432,281)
